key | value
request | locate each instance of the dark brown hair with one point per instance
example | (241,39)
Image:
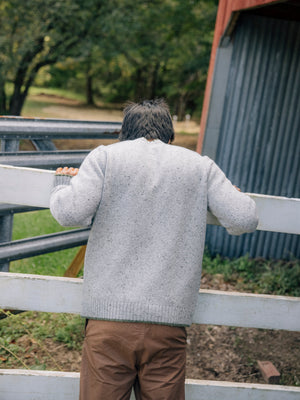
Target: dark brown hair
(150,119)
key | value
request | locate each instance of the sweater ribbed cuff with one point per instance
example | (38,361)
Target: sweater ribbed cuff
(62,180)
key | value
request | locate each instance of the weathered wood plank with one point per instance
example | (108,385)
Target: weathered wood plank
(63,295)
(25,186)
(32,187)
(248,310)
(211,390)
(38,385)
(50,385)
(40,293)
(277,214)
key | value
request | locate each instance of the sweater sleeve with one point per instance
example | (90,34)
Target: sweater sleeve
(235,211)
(74,200)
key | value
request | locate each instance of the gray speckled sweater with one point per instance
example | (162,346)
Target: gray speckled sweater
(147,203)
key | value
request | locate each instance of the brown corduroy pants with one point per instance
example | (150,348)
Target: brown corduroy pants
(119,356)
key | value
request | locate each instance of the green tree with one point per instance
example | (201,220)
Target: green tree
(157,48)
(117,49)
(37,33)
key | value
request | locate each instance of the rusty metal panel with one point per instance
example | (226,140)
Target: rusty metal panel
(258,143)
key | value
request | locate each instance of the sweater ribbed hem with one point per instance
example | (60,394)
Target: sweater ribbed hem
(137,312)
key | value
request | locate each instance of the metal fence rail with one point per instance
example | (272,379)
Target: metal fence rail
(44,159)
(8,209)
(16,128)
(19,249)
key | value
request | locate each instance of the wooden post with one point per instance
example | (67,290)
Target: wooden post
(76,264)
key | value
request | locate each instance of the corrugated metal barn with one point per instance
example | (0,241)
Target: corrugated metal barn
(250,121)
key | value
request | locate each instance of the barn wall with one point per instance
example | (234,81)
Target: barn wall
(226,11)
(253,124)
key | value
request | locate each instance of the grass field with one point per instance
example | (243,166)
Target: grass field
(38,223)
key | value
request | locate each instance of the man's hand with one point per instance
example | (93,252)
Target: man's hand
(67,171)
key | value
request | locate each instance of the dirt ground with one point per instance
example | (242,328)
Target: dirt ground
(231,354)
(213,352)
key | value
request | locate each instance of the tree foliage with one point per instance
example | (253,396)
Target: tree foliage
(115,49)
(36,33)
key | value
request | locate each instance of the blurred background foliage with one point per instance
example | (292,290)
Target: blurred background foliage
(109,50)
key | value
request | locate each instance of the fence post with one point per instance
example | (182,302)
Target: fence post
(44,145)
(6,221)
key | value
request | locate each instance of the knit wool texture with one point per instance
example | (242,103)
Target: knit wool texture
(147,202)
